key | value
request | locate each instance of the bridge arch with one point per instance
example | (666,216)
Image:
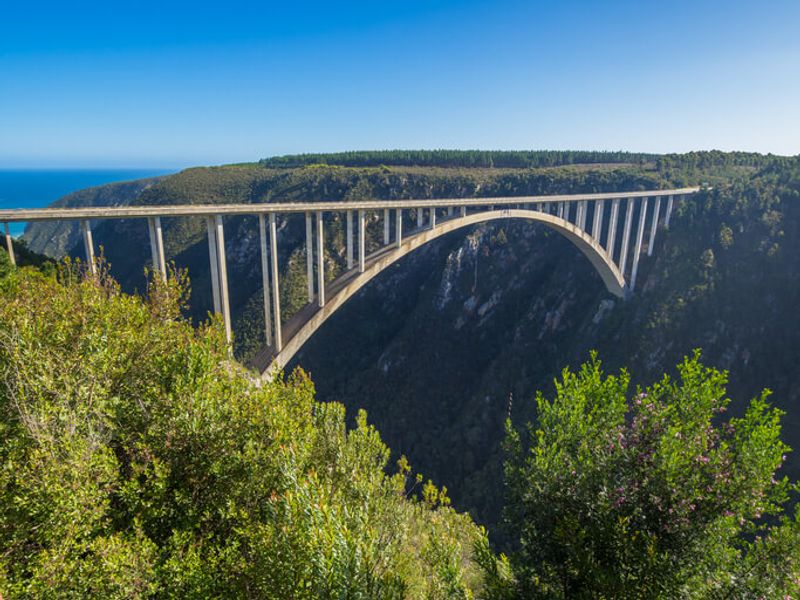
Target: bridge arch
(299,329)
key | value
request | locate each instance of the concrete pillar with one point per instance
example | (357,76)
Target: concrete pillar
(463,211)
(349,234)
(560,213)
(637,251)
(214,263)
(262,234)
(541,207)
(276,294)
(449,211)
(320,261)
(669,212)
(386,224)
(626,234)
(581,217)
(88,247)
(10,245)
(223,278)
(157,246)
(309,257)
(597,221)
(611,238)
(362,242)
(419,218)
(398,226)
(433,218)
(654,227)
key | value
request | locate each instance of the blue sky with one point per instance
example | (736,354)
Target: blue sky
(146,83)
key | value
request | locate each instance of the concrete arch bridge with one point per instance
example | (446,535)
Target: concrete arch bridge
(600,225)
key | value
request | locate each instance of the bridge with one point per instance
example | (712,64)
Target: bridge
(590,221)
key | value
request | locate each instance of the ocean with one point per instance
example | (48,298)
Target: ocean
(36,188)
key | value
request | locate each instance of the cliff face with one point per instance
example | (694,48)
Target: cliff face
(441,347)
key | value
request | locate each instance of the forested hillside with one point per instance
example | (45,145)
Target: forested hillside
(503,308)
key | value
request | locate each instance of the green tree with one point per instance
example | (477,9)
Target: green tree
(653,495)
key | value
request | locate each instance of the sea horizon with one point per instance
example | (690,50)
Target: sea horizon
(35,187)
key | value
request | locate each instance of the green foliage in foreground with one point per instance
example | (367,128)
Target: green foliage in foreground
(654,497)
(137,460)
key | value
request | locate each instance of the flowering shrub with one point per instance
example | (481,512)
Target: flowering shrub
(648,495)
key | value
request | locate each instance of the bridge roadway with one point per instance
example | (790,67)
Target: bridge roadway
(555,211)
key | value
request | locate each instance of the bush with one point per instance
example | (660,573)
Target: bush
(654,496)
(137,460)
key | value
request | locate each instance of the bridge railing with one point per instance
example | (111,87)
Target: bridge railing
(586,212)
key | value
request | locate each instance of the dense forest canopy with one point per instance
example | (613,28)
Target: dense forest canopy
(518,159)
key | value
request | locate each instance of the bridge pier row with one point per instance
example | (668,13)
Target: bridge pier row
(612,228)
(349,235)
(654,227)
(669,212)
(320,261)
(88,246)
(9,245)
(386,226)
(276,295)
(157,246)
(309,257)
(626,235)
(262,235)
(398,226)
(362,242)
(637,251)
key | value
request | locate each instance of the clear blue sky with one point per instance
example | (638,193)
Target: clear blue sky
(158,83)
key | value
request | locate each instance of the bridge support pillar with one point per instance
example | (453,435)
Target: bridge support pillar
(669,212)
(213,262)
(463,211)
(398,227)
(349,234)
(560,213)
(309,257)
(584,208)
(362,242)
(157,246)
(88,246)
(597,220)
(654,227)
(386,226)
(540,207)
(449,211)
(433,217)
(419,218)
(320,261)
(262,234)
(612,228)
(10,245)
(626,234)
(276,295)
(219,272)
(637,251)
